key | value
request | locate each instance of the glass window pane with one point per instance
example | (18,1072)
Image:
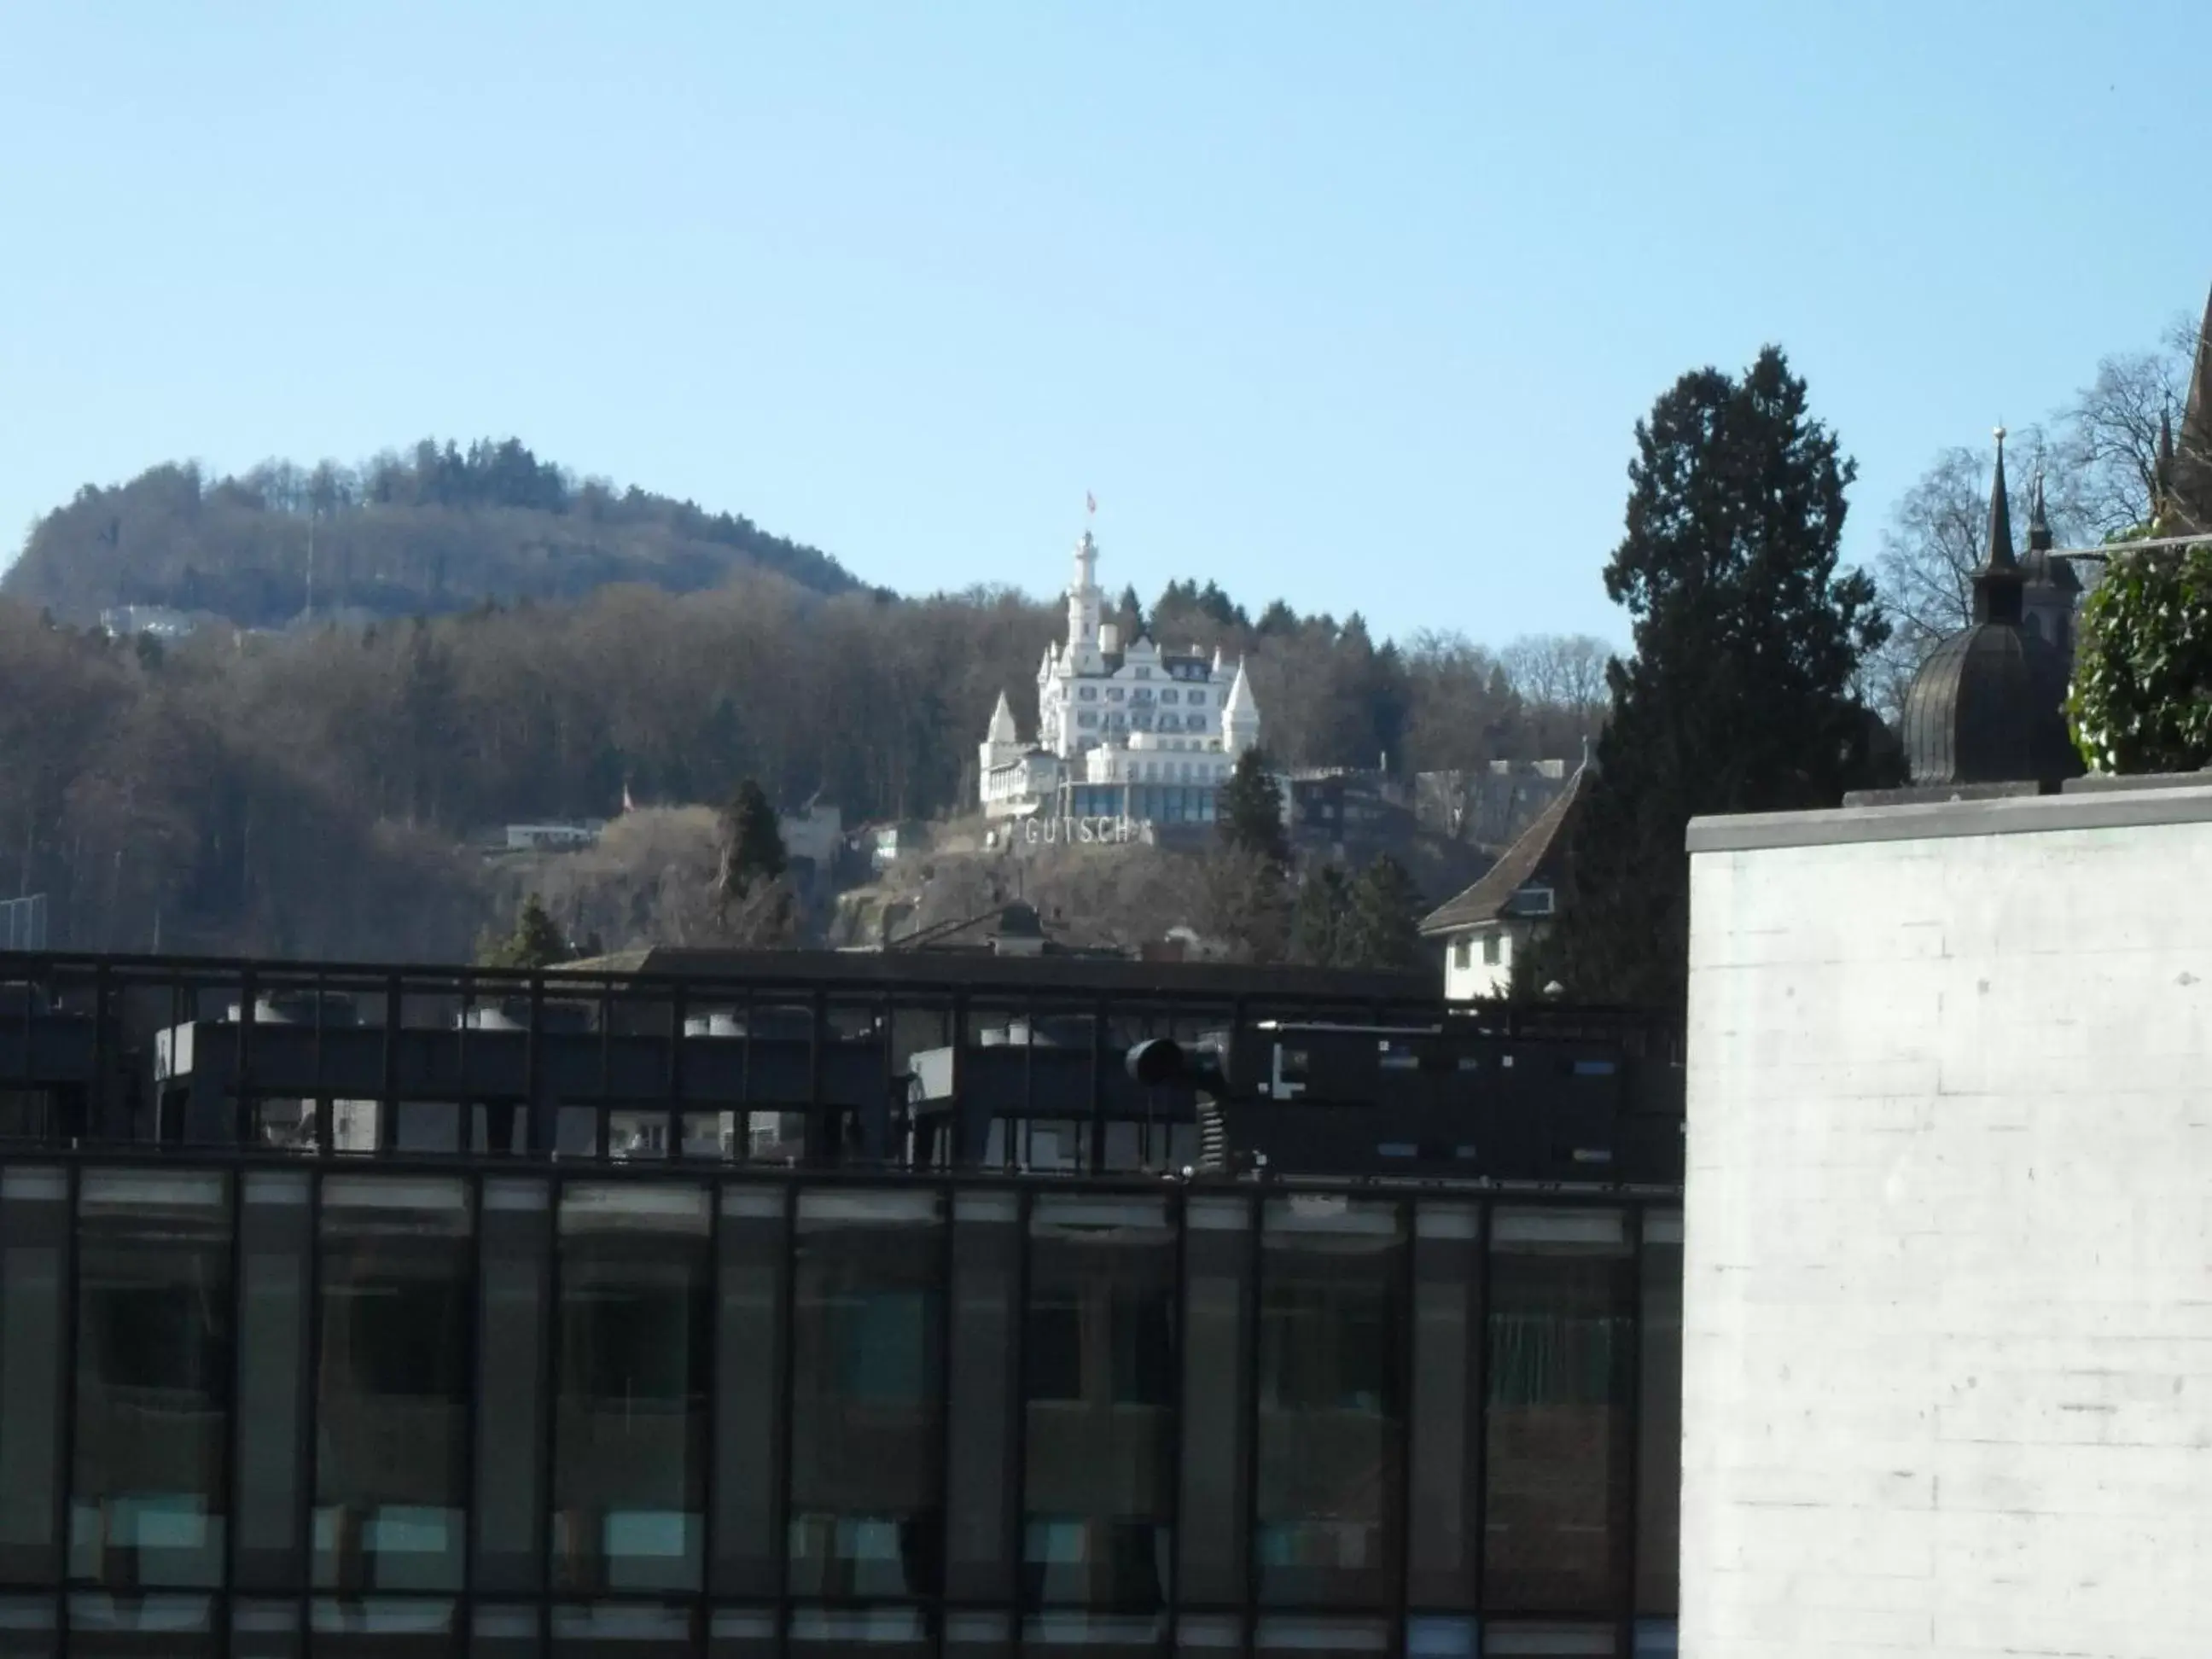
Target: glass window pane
(1284,1637)
(503,1632)
(141,1626)
(630,1412)
(1516,1641)
(1444,1547)
(272,1327)
(1331,1402)
(27,1627)
(1217,1267)
(978,1635)
(748,1392)
(744,1633)
(980,1490)
(383,1628)
(1659,1418)
(153,1379)
(1562,1352)
(1099,1378)
(392,1386)
(635,1629)
(266,1630)
(866,1390)
(1073,1635)
(515,1318)
(33,1232)
(877,1633)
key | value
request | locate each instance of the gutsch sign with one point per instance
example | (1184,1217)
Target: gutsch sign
(1113,831)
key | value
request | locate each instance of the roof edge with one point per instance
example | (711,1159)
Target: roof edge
(2182,802)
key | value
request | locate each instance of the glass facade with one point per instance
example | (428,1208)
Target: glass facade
(249,1409)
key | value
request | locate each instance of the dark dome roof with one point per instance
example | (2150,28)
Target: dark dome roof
(1987,707)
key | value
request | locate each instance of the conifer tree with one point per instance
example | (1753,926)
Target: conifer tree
(752,842)
(536,941)
(1317,918)
(1250,810)
(1381,924)
(1737,697)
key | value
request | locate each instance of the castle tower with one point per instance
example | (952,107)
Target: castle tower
(1240,717)
(1001,743)
(1085,601)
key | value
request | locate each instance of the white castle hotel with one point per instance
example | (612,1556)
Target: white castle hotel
(1122,732)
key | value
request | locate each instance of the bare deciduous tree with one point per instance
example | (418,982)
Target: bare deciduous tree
(2109,433)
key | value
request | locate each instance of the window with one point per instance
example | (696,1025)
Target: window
(631,1405)
(1562,1378)
(1088,693)
(1113,694)
(1331,1403)
(1144,673)
(1100,1405)
(392,1385)
(152,1387)
(1086,718)
(1463,954)
(1171,695)
(867,1394)
(1492,949)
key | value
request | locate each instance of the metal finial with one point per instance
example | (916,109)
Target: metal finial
(2000,434)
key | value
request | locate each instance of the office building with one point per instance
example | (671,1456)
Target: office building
(355,1312)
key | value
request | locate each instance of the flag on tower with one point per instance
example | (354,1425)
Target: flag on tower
(1090,502)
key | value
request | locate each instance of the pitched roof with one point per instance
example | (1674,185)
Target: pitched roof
(1539,853)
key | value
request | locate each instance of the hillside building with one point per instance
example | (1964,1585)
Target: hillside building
(1485,929)
(1124,729)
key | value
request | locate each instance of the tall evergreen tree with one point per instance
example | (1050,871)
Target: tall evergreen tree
(1251,810)
(1738,695)
(1317,918)
(1130,613)
(752,842)
(1382,924)
(536,941)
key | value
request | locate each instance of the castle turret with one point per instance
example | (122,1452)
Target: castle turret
(1240,716)
(1085,601)
(1001,741)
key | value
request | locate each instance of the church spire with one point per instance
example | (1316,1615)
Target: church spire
(2039,521)
(1997,584)
(2188,465)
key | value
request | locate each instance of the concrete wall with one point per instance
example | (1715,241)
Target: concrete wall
(1947,1369)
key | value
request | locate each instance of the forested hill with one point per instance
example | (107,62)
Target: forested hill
(439,530)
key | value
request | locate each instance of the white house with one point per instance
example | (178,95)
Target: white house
(1127,731)
(1485,928)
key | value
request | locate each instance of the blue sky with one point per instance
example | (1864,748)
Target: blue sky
(1355,306)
